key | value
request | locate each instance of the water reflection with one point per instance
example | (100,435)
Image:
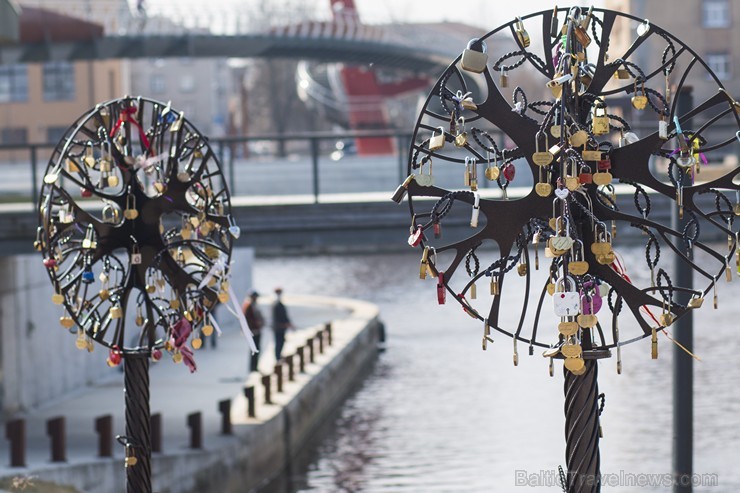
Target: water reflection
(437,414)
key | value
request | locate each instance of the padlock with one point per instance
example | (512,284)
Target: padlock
(476,211)
(66,321)
(57,298)
(473,174)
(587,318)
(503,79)
(541,158)
(89,158)
(556,84)
(560,245)
(585,176)
(575,365)
(639,101)
(400,192)
(114,357)
(492,172)
(566,301)
(110,214)
(571,177)
(437,140)
(89,242)
(591,152)
(71,166)
(554,31)
(599,120)
(416,236)
(130,460)
(422,179)
(577,138)
(582,36)
(662,129)
(115,311)
(130,211)
(424,263)
(602,244)
(543,188)
(571,349)
(577,264)
(521,34)
(441,291)
(567,328)
(135,255)
(474,57)
(509,172)
(461,136)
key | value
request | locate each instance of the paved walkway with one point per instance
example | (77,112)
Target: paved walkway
(175,393)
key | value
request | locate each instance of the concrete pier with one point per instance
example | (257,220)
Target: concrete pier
(259,447)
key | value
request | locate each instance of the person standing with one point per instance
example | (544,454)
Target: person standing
(280,322)
(255,321)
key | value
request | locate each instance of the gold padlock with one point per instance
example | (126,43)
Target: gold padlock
(66,321)
(521,34)
(207,330)
(599,121)
(130,212)
(639,101)
(197,343)
(568,328)
(57,298)
(116,311)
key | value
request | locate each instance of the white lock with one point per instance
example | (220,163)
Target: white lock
(476,211)
(566,303)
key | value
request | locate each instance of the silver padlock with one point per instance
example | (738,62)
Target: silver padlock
(474,57)
(135,255)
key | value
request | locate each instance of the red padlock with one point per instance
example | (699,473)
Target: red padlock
(509,172)
(441,289)
(114,357)
(156,354)
(50,262)
(585,176)
(85,192)
(437,230)
(605,164)
(416,237)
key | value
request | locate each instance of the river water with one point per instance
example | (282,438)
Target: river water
(438,414)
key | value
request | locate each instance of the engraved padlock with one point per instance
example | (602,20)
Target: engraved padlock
(577,264)
(566,300)
(577,136)
(599,120)
(474,57)
(541,157)
(422,179)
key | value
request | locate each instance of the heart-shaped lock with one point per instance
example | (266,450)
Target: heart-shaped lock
(509,172)
(562,193)
(602,178)
(606,258)
(571,350)
(572,183)
(560,243)
(57,298)
(575,365)
(587,320)
(416,236)
(568,328)
(66,321)
(543,189)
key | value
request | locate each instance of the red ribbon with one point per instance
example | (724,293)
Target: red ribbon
(127,115)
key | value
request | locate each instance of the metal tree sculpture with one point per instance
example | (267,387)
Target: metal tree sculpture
(136,234)
(580,150)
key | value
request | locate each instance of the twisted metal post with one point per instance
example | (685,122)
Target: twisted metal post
(582,430)
(138,425)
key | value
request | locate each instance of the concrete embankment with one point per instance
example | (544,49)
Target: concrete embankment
(258,448)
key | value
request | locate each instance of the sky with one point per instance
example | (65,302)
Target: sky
(486,14)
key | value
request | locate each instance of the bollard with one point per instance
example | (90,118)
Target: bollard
(224,407)
(301,360)
(15,432)
(328,333)
(156,431)
(55,429)
(266,385)
(195,423)
(279,374)
(104,428)
(291,370)
(249,394)
(320,337)
(311,352)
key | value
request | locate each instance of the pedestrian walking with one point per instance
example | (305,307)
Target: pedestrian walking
(280,323)
(255,321)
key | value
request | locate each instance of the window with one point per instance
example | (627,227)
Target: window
(715,13)
(59,81)
(17,135)
(157,82)
(55,134)
(719,63)
(13,83)
(187,83)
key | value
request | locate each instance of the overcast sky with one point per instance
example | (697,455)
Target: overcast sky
(486,14)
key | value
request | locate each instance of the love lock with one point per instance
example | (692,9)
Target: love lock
(577,264)
(565,299)
(422,179)
(587,319)
(568,328)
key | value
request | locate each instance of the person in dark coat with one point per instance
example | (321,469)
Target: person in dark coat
(280,323)
(255,321)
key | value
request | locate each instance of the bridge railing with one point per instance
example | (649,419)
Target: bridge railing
(296,167)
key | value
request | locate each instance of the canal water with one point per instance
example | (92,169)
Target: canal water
(438,414)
